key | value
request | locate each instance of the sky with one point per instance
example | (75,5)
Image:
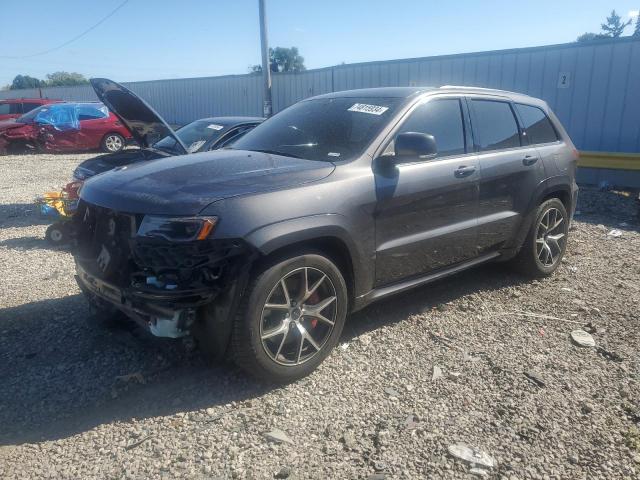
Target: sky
(155,39)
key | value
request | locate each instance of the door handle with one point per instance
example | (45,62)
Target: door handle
(529,160)
(464,171)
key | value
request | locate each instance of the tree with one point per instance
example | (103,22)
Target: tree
(588,36)
(614,26)
(25,81)
(287,60)
(283,59)
(62,79)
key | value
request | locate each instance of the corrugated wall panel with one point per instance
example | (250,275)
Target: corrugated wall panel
(597,103)
(564,98)
(597,96)
(615,98)
(629,140)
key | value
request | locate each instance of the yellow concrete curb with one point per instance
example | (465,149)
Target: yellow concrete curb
(617,161)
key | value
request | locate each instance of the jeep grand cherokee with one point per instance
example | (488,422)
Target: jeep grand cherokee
(261,251)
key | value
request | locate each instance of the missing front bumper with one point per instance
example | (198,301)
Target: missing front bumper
(163,314)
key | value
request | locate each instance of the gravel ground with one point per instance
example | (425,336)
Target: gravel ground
(83,402)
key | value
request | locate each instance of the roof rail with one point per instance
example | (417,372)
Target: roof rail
(482,89)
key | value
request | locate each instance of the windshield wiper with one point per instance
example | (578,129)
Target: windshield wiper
(161,148)
(276,152)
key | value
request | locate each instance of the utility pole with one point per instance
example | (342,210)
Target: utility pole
(266,67)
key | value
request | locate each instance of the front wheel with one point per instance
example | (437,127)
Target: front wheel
(546,242)
(112,143)
(291,317)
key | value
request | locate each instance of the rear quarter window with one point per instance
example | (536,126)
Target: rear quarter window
(537,125)
(495,125)
(10,109)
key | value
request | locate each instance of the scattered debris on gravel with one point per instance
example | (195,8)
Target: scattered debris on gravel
(485,360)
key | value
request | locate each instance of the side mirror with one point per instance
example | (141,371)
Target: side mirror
(409,146)
(414,144)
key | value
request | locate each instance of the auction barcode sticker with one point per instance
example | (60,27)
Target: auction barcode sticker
(213,126)
(366,108)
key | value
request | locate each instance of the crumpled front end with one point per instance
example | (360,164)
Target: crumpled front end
(159,283)
(24,135)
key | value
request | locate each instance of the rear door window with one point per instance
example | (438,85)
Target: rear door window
(495,125)
(537,125)
(443,120)
(89,112)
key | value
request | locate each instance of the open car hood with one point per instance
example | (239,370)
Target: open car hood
(144,123)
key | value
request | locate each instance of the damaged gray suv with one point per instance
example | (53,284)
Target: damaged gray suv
(261,250)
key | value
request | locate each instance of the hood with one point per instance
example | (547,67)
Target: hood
(109,161)
(185,185)
(144,123)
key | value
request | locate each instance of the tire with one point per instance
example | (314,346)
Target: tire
(304,340)
(56,234)
(112,143)
(540,256)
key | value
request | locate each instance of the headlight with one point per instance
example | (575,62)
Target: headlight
(177,229)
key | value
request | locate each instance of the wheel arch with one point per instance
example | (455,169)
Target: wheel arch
(315,234)
(562,193)
(555,187)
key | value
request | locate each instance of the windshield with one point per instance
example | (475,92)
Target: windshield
(326,129)
(28,117)
(194,136)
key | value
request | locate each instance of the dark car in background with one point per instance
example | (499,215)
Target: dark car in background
(153,134)
(65,127)
(260,251)
(16,107)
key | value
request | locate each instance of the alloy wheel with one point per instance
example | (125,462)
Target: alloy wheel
(298,316)
(550,237)
(113,143)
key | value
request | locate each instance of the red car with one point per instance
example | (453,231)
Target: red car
(15,107)
(64,127)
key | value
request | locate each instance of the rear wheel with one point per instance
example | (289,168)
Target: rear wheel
(112,143)
(546,242)
(291,317)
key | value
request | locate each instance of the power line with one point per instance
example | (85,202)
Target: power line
(104,19)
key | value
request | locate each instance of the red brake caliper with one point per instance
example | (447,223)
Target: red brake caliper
(313,299)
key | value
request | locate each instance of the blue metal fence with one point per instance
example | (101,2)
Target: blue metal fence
(594,87)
